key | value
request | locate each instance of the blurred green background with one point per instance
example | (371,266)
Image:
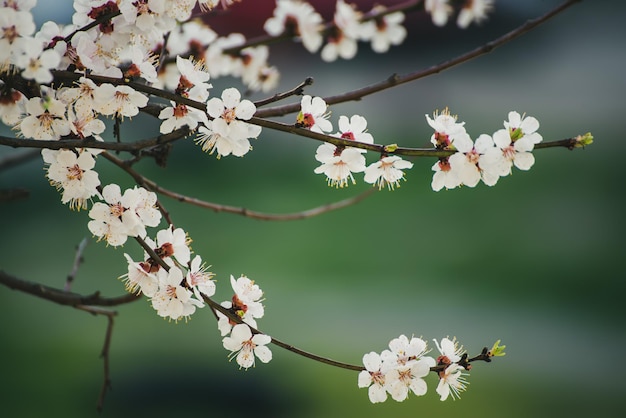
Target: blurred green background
(536,261)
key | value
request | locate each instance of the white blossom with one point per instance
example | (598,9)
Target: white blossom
(300,19)
(387,172)
(246,347)
(313,114)
(72,172)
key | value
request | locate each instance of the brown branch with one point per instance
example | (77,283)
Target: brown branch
(8,195)
(396,80)
(153,186)
(78,259)
(106,384)
(232,316)
(61,297)
(90,25)
(92,143)
(90,303)
(104,354)
(296,91)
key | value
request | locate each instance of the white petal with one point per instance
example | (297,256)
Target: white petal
(524,160)
(231,97)
(263,353)
(377,394)
(245,110)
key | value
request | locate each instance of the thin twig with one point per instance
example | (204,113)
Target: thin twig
(296,91)
(90,25)
(104,354)
(153,186)
(396,80)
(106,384)
(78,259)
(230,315)
(8,195)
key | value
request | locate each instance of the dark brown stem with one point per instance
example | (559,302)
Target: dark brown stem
(92,143)
(106,384)
(296,91)
(93,24)
(104,354)
(217,307)
(61,297)
(78,259)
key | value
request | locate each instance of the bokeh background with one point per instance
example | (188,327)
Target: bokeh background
(536,261)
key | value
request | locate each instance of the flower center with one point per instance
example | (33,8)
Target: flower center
(442,140)
(509,152)
(121,96)
(10,33)
(228,115)
(180,110)
(348,135)
(473,157)
(165,250)
(305,120)
(46,119)
(117,210)
(444,165)
(74,172)
(170,291)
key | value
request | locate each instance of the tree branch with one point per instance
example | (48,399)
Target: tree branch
(296,91)
(92,143)
(61,297)
(104,354)
(78,259)
(230,315)
(153,186)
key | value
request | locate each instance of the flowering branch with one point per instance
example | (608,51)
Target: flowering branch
(57,85)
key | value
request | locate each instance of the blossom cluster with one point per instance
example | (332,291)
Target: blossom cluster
(239,338)
(180,286)
(176,288)
(123,40)
(350,25)
(401,369)
(339,162)
(62,82)
(488,158)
